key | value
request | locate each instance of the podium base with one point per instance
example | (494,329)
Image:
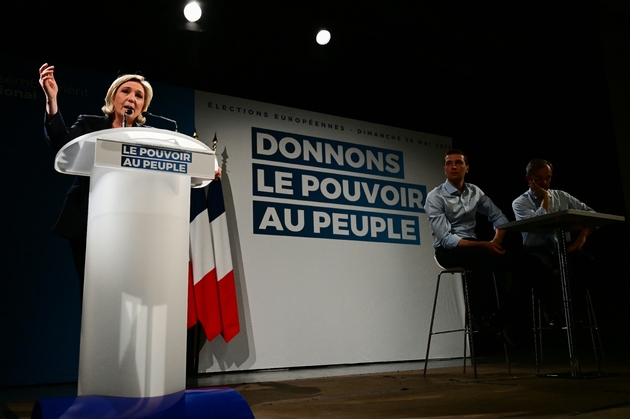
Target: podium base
(205,403)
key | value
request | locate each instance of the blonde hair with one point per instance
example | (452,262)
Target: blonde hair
(108,109)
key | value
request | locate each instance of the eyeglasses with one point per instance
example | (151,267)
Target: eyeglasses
(542,179)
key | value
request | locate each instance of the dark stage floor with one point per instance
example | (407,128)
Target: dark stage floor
(404,393)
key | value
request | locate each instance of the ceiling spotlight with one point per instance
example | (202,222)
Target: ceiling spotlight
(192,11)
(323,37)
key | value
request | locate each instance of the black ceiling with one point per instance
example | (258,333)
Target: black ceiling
(422,65)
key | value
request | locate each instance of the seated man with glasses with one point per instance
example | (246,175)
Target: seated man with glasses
(540,200)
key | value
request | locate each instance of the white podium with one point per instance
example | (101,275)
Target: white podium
(133,331)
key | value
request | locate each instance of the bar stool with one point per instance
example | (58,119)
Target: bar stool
(467,329)
(537,312)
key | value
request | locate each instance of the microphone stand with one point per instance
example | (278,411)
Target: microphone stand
(164,118)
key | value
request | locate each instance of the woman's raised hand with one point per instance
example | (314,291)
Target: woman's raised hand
(49,84)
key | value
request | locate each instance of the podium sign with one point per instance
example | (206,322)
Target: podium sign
(133,331)
(135,156)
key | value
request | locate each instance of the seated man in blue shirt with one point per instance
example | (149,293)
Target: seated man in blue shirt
(452,208)
(539,199)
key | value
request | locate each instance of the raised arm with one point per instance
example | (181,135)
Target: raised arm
(49,85)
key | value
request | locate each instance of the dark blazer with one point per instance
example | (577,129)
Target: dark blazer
(71,221)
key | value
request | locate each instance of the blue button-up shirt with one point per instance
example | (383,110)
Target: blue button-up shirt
(452,214)
(528,205)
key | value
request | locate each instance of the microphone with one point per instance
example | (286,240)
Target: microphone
(127,112)
(164,118)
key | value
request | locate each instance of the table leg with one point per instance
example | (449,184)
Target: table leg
(566,300)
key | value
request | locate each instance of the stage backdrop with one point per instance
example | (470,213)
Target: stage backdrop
(332,250)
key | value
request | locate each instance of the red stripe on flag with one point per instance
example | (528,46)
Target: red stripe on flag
(229,308)
(207,302)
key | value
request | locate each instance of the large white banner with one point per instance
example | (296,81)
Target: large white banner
(333,255)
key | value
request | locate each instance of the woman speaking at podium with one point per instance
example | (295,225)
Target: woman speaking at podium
(126,99)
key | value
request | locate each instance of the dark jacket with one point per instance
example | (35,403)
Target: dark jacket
(71,221)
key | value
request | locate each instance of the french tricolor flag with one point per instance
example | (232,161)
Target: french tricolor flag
(211,286)
(223,259)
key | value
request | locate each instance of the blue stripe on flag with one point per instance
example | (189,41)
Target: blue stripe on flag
(216,207)
(197,202)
